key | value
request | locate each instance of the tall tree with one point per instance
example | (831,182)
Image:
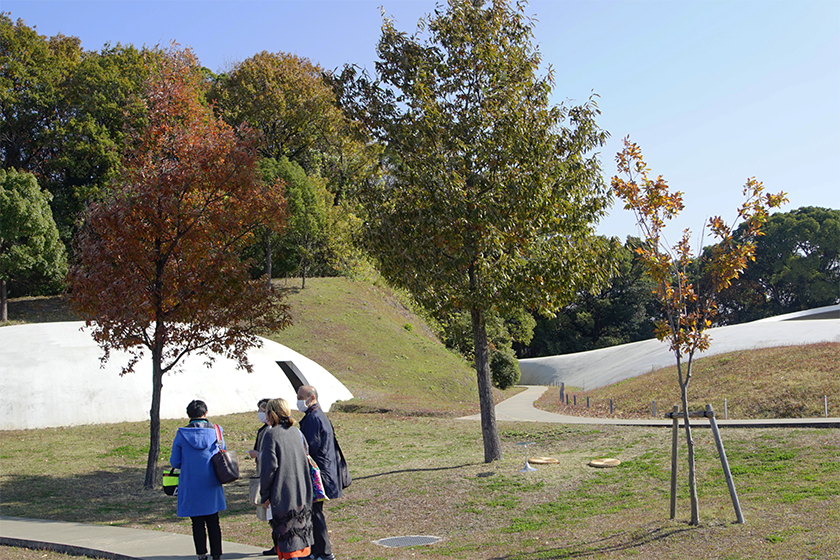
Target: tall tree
(489,201)
(63,112)
(308,200)
(689,307)
(159,266)
(29,243)
(286,98)
(796,267)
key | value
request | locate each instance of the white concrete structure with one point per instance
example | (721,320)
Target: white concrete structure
(50,375)
(605,366)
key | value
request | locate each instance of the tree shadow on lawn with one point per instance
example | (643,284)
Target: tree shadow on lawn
(403,471)
(624,540)
(114,496)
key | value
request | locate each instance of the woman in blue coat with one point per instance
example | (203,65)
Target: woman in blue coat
(200,494)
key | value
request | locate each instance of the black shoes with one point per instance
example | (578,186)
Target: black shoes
(270,552)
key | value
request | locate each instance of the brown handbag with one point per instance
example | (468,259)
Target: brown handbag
(224,462)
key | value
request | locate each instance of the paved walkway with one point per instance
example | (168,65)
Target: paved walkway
(520,408)
(104,541)
(119,543)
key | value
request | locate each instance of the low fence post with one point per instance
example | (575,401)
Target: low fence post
(562,391)
(653,408)
(825,404)
(611,406)
(574,400)
(725,410)
(587,402)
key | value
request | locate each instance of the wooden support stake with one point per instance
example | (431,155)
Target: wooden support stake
(674,435)
(729,482)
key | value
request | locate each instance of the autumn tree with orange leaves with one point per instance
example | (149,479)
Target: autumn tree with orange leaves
(159,265)
(689,306)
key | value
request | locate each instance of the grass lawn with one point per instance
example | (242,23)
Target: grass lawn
(418,470)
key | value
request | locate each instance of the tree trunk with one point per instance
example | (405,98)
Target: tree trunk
(154,413)
(489,431)
(692,479)
(4,310)
(268,255)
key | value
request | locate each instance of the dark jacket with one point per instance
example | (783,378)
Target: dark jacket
(318,431)
(286,482)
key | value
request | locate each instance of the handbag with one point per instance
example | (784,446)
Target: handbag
(318,492)
(170,482)
(224,461)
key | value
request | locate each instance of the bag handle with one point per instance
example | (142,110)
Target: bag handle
(219,439)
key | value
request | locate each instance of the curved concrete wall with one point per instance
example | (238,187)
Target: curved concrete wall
(605,366)
(50,375)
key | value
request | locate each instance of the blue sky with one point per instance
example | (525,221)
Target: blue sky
(713,91)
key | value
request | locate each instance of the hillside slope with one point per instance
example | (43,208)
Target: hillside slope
(385,354)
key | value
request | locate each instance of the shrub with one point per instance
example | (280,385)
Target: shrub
(504,370)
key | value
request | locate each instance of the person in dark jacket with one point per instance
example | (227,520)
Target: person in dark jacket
(285,482)
(200,494)
(318,431)
(255,455)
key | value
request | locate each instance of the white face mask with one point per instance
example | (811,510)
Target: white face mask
(261,417)
(301,405)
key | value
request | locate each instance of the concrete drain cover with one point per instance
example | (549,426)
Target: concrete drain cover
(414,540)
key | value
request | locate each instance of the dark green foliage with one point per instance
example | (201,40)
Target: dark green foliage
(30,249)
(63,112)
(622,312)
(504,370)
(796,267)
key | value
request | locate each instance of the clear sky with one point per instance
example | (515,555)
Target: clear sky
(713,91)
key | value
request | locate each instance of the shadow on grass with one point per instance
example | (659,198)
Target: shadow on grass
(115,496)
(621,541)
(403,471)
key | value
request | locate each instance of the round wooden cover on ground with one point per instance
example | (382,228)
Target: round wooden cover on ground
(604,463)
(543,460)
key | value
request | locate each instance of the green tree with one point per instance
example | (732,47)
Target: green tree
(623,311)
(29,243)
(488,202)
(304,236)
(63,112)
(158,265)
(286,98)
(689,307)
(796,267)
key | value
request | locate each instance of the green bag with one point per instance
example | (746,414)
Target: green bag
(170,482)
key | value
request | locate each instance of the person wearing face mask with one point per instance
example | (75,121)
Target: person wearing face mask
(255,454)
(318,431)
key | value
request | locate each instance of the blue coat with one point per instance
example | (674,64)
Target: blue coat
(318,431)
(199,491)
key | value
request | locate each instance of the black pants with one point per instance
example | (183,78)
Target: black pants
(211,522)
(319,531)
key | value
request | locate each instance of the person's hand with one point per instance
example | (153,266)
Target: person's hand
(253,453)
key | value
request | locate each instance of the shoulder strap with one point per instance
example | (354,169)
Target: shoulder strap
(218,436)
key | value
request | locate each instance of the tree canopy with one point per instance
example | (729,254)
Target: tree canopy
(29,243)
(490,194)
(159,265)
(63,112)
(796,267)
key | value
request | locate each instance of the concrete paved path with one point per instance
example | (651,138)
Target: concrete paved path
(104,541)
(520,408)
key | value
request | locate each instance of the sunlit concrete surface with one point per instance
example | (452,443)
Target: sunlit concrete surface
(50,375)
(599,368)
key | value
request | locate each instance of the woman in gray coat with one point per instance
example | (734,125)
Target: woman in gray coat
(285,482)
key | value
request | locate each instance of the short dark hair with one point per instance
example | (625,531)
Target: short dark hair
(262,402)
(196,409)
